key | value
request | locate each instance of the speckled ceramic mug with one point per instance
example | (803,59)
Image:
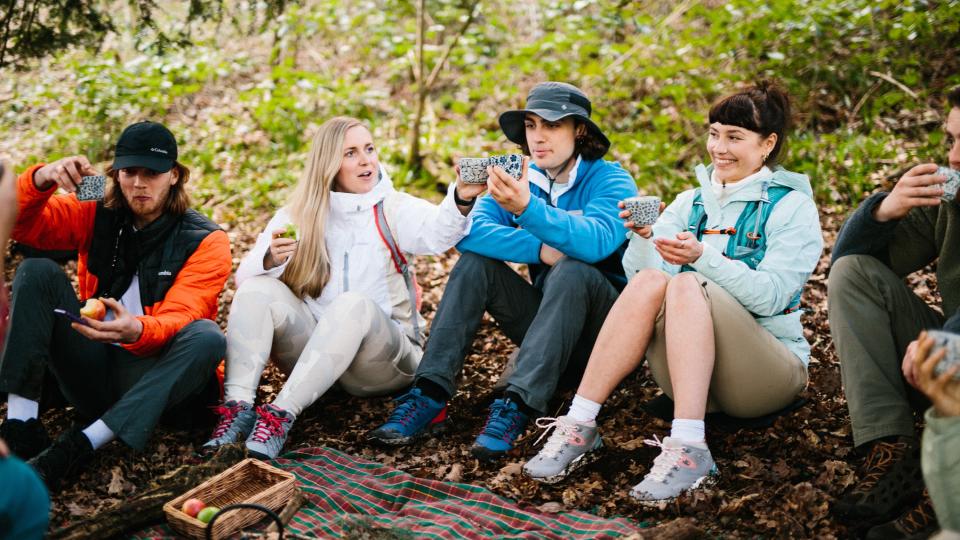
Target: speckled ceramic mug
(952,183)
(950,342)
(643,210)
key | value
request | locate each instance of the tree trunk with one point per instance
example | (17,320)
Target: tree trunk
(414,159)
(146,508)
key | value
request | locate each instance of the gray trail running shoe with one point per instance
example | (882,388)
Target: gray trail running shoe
(571,446)
(270,433)
(680,467)
(236,423)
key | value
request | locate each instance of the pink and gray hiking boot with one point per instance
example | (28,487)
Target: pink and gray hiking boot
(681,466)
(270,432)
(236,423)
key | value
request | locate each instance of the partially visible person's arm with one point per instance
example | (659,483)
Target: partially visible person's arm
(8,205)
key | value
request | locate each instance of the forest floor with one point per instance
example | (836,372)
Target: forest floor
(777,481)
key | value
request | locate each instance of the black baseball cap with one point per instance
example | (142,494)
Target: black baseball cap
(146,144)
(551,101)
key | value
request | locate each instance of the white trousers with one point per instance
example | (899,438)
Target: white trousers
(354,343)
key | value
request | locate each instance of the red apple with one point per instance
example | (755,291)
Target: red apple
(94,309)
(192,507)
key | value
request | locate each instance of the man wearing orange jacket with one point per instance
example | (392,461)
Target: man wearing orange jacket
(159,267)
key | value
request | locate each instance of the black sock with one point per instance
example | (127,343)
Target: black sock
(524,408)
(432,390)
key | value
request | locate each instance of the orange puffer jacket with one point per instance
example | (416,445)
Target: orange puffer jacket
(61,222)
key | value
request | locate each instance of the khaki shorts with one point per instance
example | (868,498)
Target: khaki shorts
(754,373)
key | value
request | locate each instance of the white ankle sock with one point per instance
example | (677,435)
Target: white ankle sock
(99,434)
(583,409)
(21,408)
(687,430)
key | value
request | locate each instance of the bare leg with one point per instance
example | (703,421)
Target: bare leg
(690,346)
(625,335)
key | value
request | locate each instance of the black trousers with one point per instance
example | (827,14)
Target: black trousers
(129,393)
(555,325)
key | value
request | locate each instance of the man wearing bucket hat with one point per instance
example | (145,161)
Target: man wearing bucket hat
(875,320)
(158,266)
(561,219)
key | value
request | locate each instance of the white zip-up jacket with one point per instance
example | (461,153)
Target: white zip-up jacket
(359,259)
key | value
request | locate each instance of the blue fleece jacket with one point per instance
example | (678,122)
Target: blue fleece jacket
(580,219)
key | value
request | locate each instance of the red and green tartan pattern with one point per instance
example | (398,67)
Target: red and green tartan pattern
(347,493)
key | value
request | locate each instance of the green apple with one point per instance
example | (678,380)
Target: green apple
(207,514)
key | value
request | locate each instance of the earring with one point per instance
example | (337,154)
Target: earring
(764,157)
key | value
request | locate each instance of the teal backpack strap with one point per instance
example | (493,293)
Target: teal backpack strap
(400,263)
(751,232)
(698,215)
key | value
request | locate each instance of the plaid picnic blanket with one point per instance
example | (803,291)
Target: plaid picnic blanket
(346,492)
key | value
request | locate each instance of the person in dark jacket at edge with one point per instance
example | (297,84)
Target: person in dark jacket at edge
(875,320)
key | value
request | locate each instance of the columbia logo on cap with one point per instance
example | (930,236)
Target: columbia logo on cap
(161,150)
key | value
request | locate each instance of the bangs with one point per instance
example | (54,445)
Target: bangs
(737,110)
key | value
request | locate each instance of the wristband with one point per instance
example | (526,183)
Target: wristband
(461,202)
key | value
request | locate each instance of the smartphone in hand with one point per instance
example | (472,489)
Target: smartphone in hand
(75,318)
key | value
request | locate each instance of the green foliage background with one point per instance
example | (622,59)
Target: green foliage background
(868,78)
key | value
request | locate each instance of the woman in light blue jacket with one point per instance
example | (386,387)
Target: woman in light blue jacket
(713,301)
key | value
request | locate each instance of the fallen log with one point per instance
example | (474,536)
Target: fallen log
(146,508)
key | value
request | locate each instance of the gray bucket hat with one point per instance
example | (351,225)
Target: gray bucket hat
(551,101)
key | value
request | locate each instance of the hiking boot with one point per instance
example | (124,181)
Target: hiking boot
(918,523)
(270,432)
(571,446)
(25,439)
(680,467)
(414,417)
(236,422)
(891,480)
(504,425)
(63,458)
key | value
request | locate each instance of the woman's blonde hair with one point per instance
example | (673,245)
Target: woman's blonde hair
(309,204)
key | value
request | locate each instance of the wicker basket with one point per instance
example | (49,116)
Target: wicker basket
(250,481)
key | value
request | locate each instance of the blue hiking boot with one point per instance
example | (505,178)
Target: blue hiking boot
(505,423)
(415,416)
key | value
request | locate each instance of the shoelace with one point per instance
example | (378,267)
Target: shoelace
(558,438)
(268,424)
(665,462)
(501,421)
(406,409)
(227,414)
(919,517)
(882,456)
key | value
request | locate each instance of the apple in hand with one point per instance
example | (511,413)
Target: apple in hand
(94,309)
(207,514)
(192,507)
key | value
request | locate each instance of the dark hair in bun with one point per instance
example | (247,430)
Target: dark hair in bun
(763,108)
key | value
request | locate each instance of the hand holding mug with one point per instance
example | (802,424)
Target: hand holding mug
(944,389)
(66,173)
(920,186)
(630,215)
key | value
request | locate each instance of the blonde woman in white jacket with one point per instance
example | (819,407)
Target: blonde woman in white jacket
(337,303)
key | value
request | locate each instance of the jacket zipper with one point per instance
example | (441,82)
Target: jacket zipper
(346,269)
